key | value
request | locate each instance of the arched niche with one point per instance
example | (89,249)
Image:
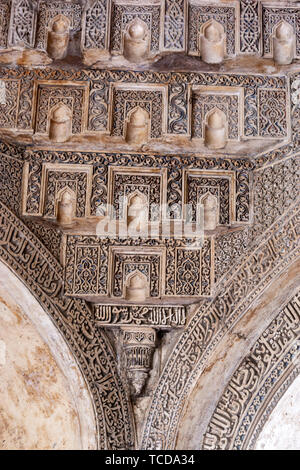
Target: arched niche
(212,42)
(58,37)
(65,206)
(136,41)
(215,129)
(60,123)
(44,400)
(210,210)
(136,287)
(137,126)
(284,43)
(137,212)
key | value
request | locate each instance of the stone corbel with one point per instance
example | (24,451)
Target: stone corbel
(138,349)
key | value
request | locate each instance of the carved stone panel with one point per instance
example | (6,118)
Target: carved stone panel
(102,267)
(125,262)
(124,182)
(198,183)
(272,113)
(272,15)
(4,22)
(23,23)
(123,14)
(162,317)
(175,25)
(55,178)
(126,98)
(225,15)
(229,101)
(249,27)
(48,10)
(49,94)
(9,106)
(96,25)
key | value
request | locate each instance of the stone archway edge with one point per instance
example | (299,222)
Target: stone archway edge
(271,254)
(33,264)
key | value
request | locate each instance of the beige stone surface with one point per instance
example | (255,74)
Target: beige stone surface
(282,431)
(40,392)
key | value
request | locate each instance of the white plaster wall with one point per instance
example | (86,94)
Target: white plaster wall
(282,430)
(44,401)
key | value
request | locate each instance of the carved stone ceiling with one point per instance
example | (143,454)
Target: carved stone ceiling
(149,201)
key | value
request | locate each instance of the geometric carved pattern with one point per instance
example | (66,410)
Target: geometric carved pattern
(126,100)
(73,96)
(272,113)
(249,27)
(199,15)
(9,110)
(49,10)
(174,26)
(275,189)
(22,26)
(271,17)
(4,22)
(95,25)
(122,15)
(228,248)
(163,317)
(255,381)
(150,91)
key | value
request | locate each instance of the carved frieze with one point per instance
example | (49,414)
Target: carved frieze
(103,102)
(99,267)
(157,316)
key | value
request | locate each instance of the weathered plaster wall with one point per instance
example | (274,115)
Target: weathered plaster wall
(44,403)
(282,430)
